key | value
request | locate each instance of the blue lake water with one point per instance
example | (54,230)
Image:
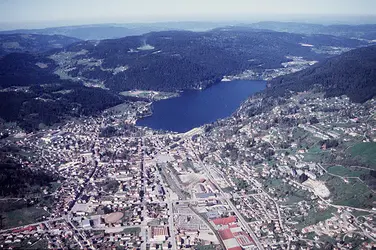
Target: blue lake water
(195,108)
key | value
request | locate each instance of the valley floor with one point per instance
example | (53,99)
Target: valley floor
(300,174)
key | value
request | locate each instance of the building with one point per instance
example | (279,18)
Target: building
(224,221)
(159,233)
(86,224)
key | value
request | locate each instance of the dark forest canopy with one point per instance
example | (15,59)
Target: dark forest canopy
(49,105)
(110,31)
(363,31)
(10,43)
(176,60)
(21,69)
(352,74)
(18,181)
(33,94)
(168,60)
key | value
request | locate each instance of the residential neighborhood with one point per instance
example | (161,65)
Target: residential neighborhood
(246,182)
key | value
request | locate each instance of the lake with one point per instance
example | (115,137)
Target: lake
(194,108)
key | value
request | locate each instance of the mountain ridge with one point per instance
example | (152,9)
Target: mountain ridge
(47,87)
(32,43)
(352,73)
(361,31)
(178,60)
(112,31)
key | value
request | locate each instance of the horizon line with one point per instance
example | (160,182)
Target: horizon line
(296,18)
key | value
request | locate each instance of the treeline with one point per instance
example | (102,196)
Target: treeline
(352,74)
(177,60)
(49,105)
(21,69)
(39,97)
(363,31)
(171,60)
(10,43)
(16,181)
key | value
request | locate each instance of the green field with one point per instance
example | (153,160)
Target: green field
(35,243)
(314,216)
(359,213)
(365,152)
(23,216)
(40,244)
(296,197)
(316,154)
(133,231)
(346,172)
(315,150)
(353,194)
(274,182)
(189,165)
(284,190)
(205,247)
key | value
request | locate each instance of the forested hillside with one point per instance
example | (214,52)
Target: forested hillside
(112,31)
(32,94)
(364,31)
(352,74)
(176,60)
(44,88)
(50,104)
(24,69)
(32,43)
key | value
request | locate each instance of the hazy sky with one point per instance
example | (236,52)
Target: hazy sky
(100,11)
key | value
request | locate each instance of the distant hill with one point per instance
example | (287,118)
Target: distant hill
(10,43)
(177,60)
(31,94)
(365,31)
(24,69)
(44,88)
(112,31)
(86,32)
(18,181)
(352,74)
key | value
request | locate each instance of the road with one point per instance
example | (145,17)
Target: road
(144,232)
(264,193)
(117,228)
(259,188)
(210,226)
(171,224)
(237,213)
(33,224)
(169,202)
(228,201)
(336,206)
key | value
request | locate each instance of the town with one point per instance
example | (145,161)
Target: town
(267,180)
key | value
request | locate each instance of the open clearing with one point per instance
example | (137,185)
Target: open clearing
(346,172)
(23,216)
(354,193)
(365,152)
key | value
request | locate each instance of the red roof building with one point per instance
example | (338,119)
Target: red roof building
(225,234)
(229,240)
(243,239)
(224,221)
(29,228)
(235,248)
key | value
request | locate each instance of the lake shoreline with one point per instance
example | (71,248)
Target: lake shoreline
(195,108)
